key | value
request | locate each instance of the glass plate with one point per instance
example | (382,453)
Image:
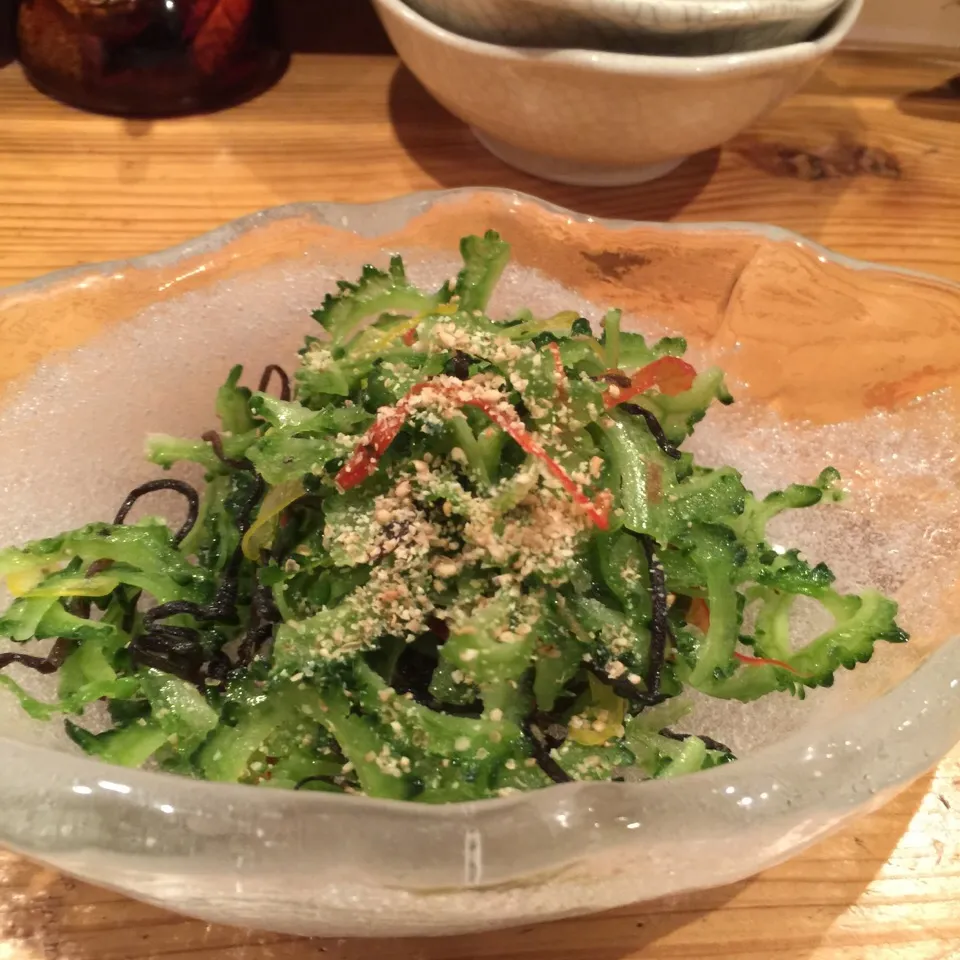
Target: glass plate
(831,361)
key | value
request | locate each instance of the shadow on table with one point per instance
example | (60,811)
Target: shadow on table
(801,165)
(938,103)
(65,918)
(446,150)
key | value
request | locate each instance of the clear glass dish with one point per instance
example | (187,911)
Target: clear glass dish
(826,357)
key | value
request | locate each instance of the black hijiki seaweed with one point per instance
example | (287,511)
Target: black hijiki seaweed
(622,687)
(264,616)
(48,664)
(653,425)
(619,379)
(709,742)
(153,486)
(540,732)
(318,778)
(615,377)
(659,622)
(216,441)
(660,635)
(459,365)
(282,374)
(179,650)
(413,673)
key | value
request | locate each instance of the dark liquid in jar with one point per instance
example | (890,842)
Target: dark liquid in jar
(150,57)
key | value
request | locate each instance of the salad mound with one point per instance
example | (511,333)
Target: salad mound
(451,558)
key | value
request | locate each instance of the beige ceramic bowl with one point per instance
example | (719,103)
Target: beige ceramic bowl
(595,118)
(680,27)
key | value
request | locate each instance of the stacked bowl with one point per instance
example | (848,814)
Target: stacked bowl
(611,92)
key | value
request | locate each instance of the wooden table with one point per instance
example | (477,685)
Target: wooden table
(866,160)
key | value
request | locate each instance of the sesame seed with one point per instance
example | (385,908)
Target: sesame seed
(615,669)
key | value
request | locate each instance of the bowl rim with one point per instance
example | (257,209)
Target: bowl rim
(638,64)
(411,204)
(936,676)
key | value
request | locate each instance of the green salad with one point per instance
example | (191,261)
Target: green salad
(451,558)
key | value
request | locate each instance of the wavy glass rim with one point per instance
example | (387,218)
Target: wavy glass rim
(915,723)
(611,61)
(410,204)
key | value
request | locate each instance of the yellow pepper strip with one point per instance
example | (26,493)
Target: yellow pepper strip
(602,720)
(590,342)
(263,529)
(381,342)
(559,321)
(377,344)
(79,586)
(23,581)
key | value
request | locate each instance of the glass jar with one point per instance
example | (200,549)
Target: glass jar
(150,57)
(8,18)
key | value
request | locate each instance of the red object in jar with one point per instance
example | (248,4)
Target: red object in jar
(150,57)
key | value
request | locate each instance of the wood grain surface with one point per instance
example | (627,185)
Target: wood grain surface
(865,160)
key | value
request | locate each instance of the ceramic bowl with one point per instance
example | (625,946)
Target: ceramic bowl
(662,27)
(825,357)
(600,119)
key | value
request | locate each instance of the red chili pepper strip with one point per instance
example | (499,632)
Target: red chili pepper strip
(410,337)
(363,460)
(765,662)
(390,420)
(671,374)
(699,616)
(513,427)
(560,373)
